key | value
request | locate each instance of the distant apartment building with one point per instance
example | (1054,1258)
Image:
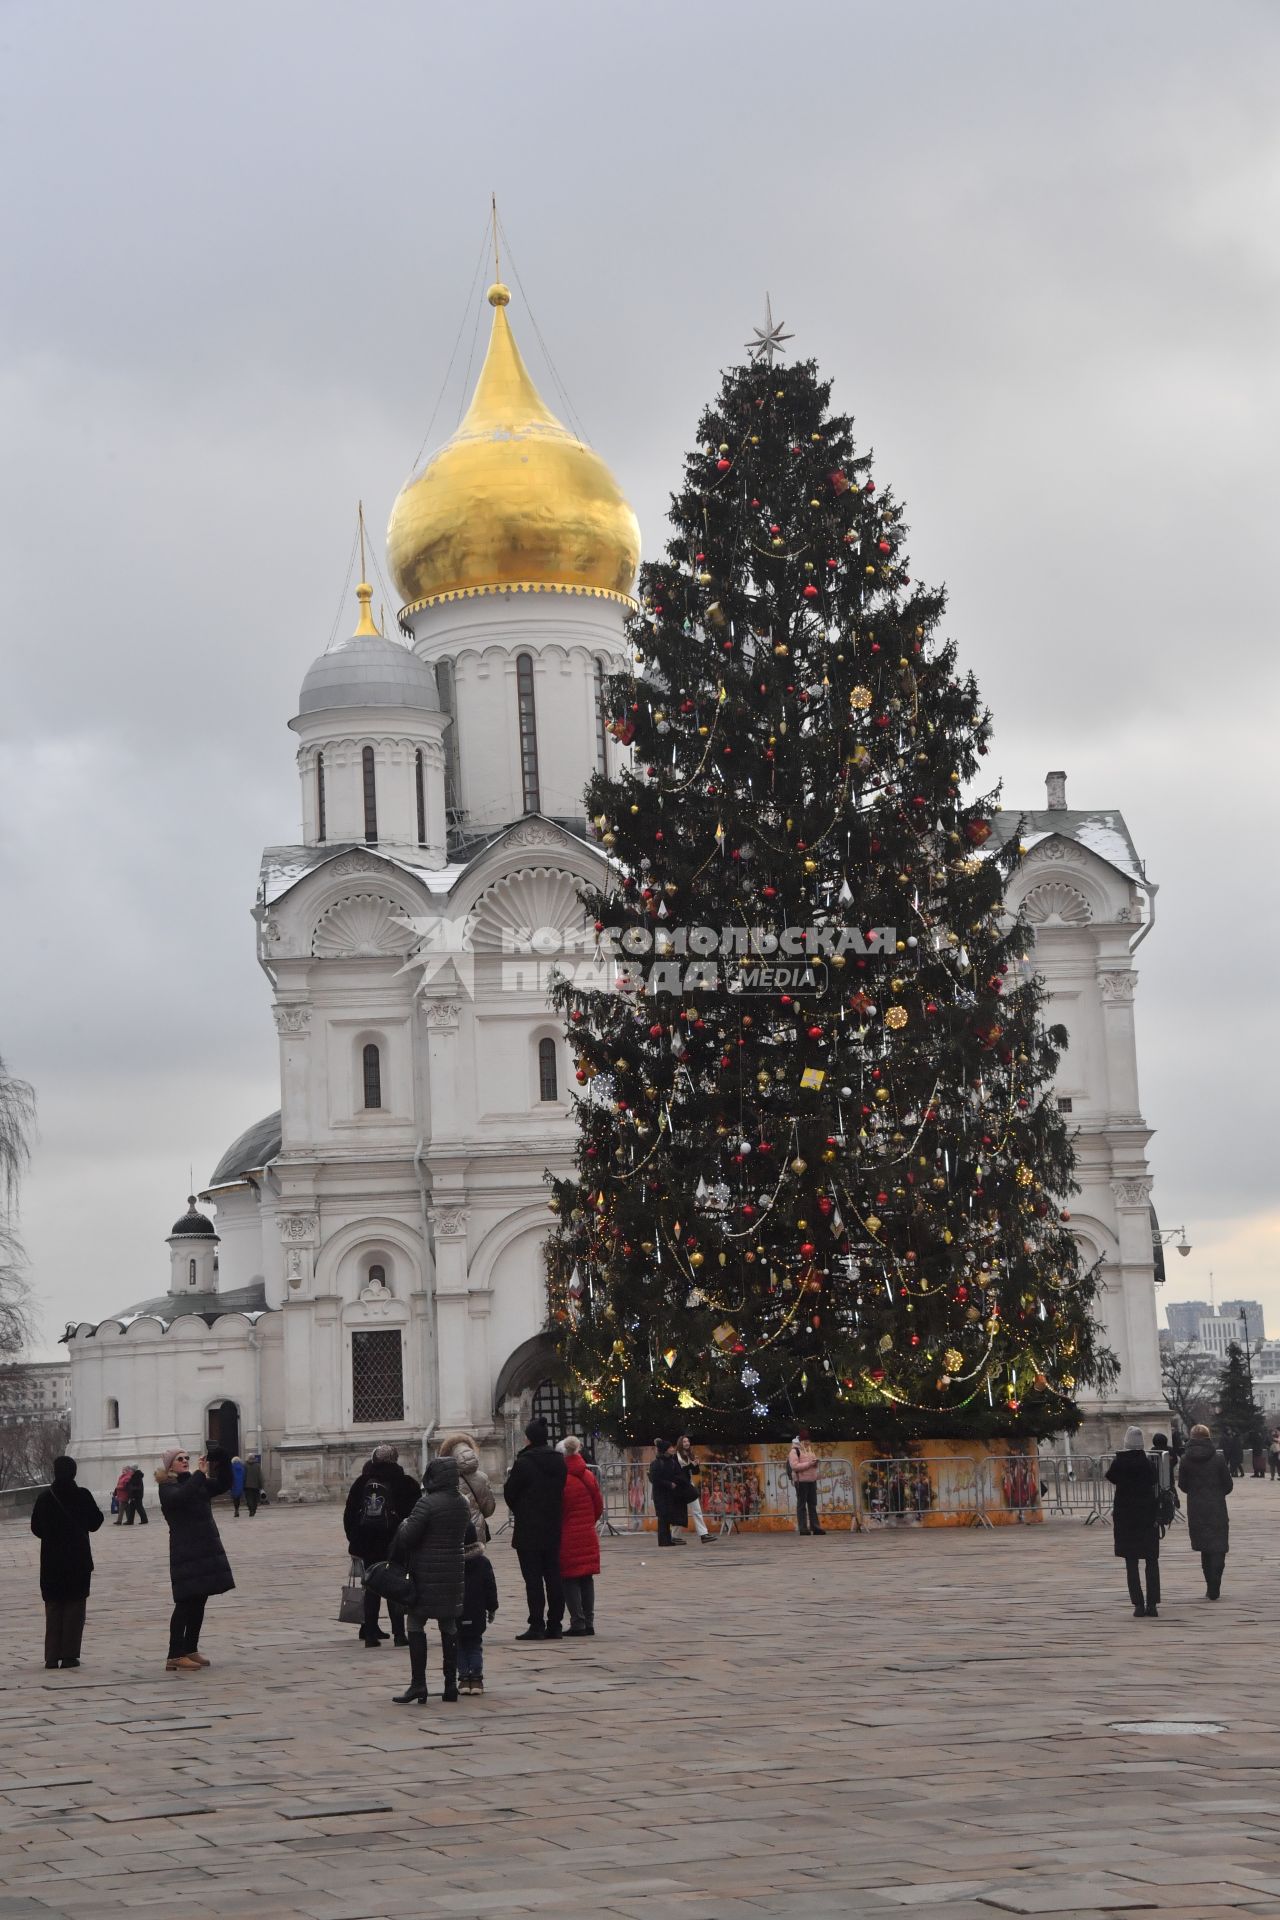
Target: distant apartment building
(1184,1317)
(34,1390)
(1250,1311)
(1217,1331)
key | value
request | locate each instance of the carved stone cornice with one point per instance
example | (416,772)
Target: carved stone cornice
(1118,984)
(450,1223)
(292,1019)
(354,862)
(1132,1193)
(298,1229)
(1056,853)
(535,833)
(440,1014)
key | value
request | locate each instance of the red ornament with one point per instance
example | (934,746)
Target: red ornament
(807,1249)
(811,592)
(978,832)
(883,545)
(722,466)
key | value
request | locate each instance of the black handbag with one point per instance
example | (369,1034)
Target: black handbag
(393,1583)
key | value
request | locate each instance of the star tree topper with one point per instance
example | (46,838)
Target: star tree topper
(768,338)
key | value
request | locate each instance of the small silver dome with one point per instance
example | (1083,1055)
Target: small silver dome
(369,671)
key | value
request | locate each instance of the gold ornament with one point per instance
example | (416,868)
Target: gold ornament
(896,1017)
(953,1359)
(860,697)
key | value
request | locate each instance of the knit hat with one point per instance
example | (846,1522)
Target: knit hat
(1133,1440)
(168,1457)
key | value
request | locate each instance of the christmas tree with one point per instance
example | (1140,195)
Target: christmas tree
(818,1174)
(1237,1407)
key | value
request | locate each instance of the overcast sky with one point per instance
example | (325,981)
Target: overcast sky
(1038,249)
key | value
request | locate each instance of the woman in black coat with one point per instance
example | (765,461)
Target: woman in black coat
(198,1566)
(62,1519)
(673,1490)
(1205,1478)
(430,1544)
(380,1497)
(1135,1519)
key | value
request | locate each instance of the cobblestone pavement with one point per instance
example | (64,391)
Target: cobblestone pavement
(862,1725)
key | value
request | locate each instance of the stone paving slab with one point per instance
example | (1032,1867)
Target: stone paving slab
(874,1725)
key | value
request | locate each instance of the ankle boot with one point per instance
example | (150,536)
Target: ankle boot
(450,1671)
(416,1691)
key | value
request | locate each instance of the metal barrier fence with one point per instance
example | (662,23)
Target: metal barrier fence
(977,1490)
(1076,1484)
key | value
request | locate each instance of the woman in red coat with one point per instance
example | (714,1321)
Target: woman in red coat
(579,1543)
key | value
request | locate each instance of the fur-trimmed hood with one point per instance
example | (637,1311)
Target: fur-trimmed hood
(462,1448)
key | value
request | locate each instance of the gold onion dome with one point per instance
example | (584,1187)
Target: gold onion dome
(513,500)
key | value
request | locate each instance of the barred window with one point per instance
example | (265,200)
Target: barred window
(319,796)
(1065,1104)
(420,789)
(547,1088)
(561,1411)
(372,1062)
(377,1377)
(528,734)
(370,799)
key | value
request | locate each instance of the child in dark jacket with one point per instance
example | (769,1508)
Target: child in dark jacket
(479,1607)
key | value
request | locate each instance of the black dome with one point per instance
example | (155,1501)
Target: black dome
(194,1222)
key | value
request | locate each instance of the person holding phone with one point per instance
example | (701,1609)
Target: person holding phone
(198,1565)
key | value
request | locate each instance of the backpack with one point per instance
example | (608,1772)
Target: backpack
(375,1508)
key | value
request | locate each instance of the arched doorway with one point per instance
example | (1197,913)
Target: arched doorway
(222,1427)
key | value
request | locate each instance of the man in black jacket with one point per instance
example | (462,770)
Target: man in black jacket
(534,1493)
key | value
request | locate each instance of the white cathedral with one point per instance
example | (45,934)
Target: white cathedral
(375,1272)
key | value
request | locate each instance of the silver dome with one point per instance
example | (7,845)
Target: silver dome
(369,671)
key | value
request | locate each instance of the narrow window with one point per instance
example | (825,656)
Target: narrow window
(602,736)
(377,1378)
(113,1414)
(421,791)
(547,1070)
(528,733)
(377,1276)
(319,796)
(370,799)
(372,1077)
(191,1273)
(452,763)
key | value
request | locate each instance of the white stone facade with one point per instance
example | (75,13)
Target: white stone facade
(1084,890)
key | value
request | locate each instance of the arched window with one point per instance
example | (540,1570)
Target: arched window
(602,735)
(421,792)
(370,799)
(113,1415)
(372,1063)
(377,1276)
(452,762)
(528,733)
(319,796)
(191,1273)
(547,1088)
(561,1411)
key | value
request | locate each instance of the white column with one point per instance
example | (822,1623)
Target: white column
(293,1024)
(449,1223)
